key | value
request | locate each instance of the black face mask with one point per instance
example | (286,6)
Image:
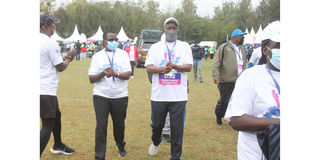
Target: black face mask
(241,41)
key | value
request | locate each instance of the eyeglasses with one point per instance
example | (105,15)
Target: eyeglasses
(112,39)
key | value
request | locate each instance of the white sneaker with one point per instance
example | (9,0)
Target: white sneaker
(153,150)
(131,77)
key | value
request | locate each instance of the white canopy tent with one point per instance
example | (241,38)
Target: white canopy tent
(252,37)
(97,36)
(56,37)
(246,37)
(83,38)
(75,35)
(122,36)
(258,35)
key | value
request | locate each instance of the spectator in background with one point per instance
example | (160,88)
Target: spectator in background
(83,52)
(255,57)
(211,52)
(78,48)
(197,58)
(132,51)
(206,52)
(228,65)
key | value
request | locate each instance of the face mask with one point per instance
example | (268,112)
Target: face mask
(171,35)
(275,59)
(241,41)
(131,43)
(112,45)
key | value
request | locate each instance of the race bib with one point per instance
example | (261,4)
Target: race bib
(170,78)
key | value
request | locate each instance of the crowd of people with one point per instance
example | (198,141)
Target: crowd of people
(249,98)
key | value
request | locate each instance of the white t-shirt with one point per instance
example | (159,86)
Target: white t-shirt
(131,53)
(49,57)
(106,87)
(238,53)
(255,94)
(175,89)
(256,55)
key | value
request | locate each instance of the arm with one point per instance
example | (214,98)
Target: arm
(216,67)
(182,68)
(123,75)
(97,77)
(251,123)
(154,69)
(62,66)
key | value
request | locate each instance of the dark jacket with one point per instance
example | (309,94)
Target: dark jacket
(196,52)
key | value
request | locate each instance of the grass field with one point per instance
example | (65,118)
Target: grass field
(203,139)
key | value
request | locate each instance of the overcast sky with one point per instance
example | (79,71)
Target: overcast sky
(204,7)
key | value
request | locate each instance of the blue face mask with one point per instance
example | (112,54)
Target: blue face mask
(275,59)
(112,45)
(131,43)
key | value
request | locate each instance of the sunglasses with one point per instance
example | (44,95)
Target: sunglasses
(112,39)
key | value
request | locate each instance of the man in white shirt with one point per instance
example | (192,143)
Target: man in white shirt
(255,101)
(169,61)
(109,71)
(51,63)
(255,57)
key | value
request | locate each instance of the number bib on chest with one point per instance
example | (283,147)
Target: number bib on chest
(170,78)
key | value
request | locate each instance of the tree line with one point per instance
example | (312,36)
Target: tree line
(135,16)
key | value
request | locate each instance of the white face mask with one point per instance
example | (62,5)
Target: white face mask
(275,59)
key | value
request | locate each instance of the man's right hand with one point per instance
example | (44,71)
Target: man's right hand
(72,53)
(216,81)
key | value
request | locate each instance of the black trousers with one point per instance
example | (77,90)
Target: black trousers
(118,110)
(225,90)
(51,121)
(177,117)
(132,63)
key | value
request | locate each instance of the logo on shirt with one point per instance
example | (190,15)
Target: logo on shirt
(116,67)
(273,111)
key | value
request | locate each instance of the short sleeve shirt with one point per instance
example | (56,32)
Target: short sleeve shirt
(256,55)
(158,56)
(107,87)
(49,57)
(255,94)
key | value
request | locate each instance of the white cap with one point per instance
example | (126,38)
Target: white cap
(171,19)
(272,32)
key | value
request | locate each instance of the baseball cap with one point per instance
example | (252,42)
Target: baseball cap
(237,32)
(46,20)
(171,19)
(272,32)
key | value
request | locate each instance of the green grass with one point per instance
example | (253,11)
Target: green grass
(203,139)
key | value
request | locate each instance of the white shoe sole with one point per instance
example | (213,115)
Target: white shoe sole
(59,152)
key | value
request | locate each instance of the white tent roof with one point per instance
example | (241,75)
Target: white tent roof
(75,35)
(83,38)
(252,37)
(97,36)
(122,35)
(56,37)
(258,35)
(246,37)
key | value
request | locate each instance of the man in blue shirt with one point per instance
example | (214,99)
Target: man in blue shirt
(197,58)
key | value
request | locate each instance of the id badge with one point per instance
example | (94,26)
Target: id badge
(170,78)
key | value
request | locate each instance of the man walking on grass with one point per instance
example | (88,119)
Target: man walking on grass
(169,61)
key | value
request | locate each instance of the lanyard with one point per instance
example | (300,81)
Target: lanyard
(170,51)
(277,85)
(237,52)
(111,62)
